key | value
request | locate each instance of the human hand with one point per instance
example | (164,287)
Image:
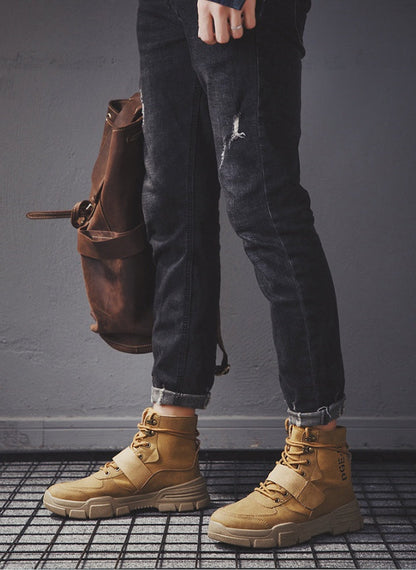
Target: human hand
(215,21)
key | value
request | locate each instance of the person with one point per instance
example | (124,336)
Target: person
(221,94)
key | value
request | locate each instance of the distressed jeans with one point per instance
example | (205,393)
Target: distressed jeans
(226,118)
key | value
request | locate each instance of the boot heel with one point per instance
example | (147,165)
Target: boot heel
(347,518)
(189,496)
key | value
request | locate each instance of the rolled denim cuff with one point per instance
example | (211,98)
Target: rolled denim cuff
(323,415)
(165,397)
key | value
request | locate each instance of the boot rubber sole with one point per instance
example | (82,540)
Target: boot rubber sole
(344,519)
(188,496)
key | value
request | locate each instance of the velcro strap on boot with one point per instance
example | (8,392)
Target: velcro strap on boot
(133,468)
(303,490)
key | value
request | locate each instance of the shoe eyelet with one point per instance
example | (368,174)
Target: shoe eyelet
(308,462)
(106,472)
(285,494)
(118,469)
(140,456)
(277,500)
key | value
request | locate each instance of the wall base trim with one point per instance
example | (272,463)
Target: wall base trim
(219,432)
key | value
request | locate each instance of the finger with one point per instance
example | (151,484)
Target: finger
(221,25)
(249,14)
(236,24)
(205,25)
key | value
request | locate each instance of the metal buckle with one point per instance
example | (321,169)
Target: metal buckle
(81,213)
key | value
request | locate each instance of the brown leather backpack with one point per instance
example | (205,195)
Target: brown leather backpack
(116,257)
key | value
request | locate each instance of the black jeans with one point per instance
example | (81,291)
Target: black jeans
(226,117)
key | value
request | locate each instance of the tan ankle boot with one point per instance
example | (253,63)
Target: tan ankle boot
(309,492)
(159,469)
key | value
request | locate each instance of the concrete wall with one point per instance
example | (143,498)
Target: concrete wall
(61,386)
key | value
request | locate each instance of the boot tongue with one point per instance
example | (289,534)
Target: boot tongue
(297,433)
(149,419)
(147,414)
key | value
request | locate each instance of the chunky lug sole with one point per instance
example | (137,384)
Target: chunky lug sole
(344,519)
(185,497)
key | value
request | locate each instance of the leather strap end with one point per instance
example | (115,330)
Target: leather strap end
(224,367)
(48,214)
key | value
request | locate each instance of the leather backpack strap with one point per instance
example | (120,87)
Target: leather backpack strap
(80,213)
(49,214)
(224,367)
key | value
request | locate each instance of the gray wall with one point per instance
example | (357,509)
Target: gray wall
(61,386)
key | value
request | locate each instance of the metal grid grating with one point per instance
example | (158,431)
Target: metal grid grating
(31,537)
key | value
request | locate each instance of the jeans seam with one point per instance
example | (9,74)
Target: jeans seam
(189,238)
(297,288)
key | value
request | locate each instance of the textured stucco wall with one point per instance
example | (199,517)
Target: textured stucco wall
(61,386)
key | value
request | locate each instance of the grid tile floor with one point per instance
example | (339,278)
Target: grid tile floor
(32,537)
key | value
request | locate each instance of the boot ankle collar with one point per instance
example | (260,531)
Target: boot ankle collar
(308,434)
